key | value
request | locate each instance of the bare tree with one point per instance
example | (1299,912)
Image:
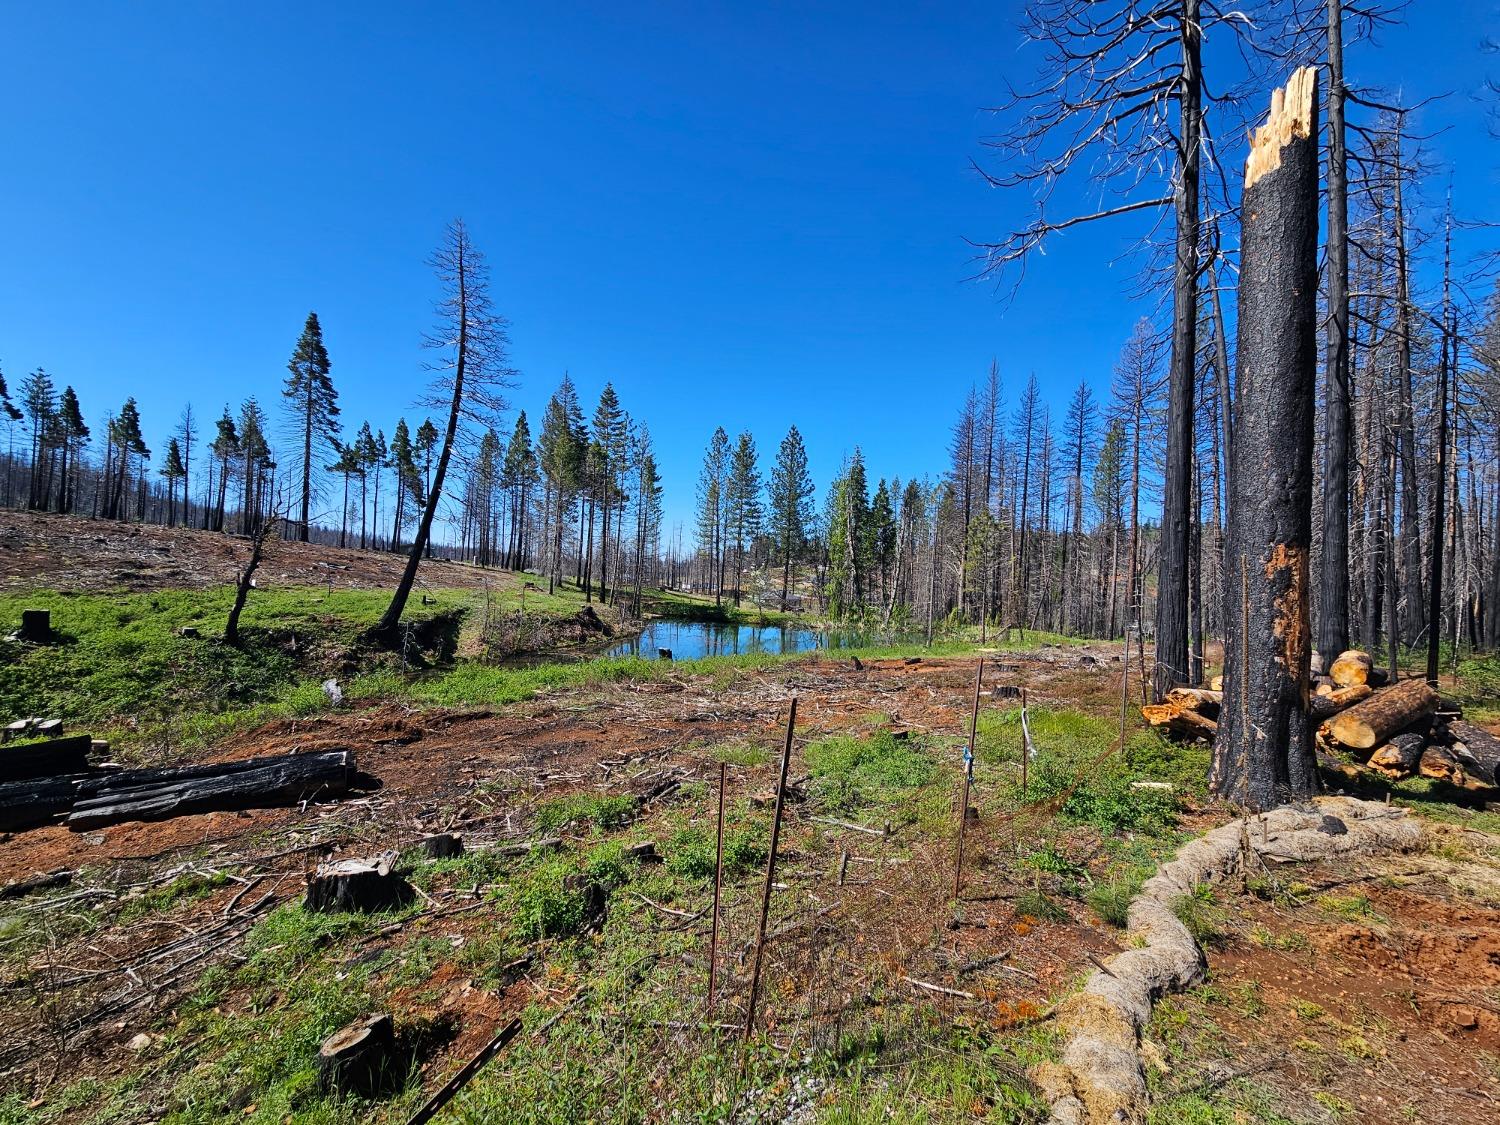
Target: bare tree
(473,373)
(1103,106)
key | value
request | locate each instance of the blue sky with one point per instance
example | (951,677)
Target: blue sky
(747,215)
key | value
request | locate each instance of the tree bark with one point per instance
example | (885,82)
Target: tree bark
(1171,666)
(1263,752)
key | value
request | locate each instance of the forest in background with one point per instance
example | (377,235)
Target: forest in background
(1099,520)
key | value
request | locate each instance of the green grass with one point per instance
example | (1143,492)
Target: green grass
(1096,793)
(850,772)
(600,811)
(120,663)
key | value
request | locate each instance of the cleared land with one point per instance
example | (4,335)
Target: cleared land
(176,977)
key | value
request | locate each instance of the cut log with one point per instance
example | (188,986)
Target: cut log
(56,757)
(1398,758)
(1366,725)
(36,626)
(1352,667)
(1440,765)
(1482,757)
(1216,683)
(359,1059)
(1326,706)
(1179,720)
(356,886)
(1201,700)
(445,845)
(254,783)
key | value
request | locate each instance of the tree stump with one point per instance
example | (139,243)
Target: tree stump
(445,845)
(356,885)
(1263,752)
(36,626)
(358,1059)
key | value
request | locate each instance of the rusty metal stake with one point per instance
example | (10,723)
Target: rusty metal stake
(713,941)
(963,805)
(765,899)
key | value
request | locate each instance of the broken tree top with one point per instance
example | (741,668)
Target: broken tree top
(1291,118)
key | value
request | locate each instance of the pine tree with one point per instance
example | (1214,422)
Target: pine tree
(745,509)
(882,541)
(472,374)
(560,451)
(225,447)
(75,436)
(648,507)
(11,414)
(426,447)
(408,478)
(172,471)
(713,499)
(255,458)
(367,456)
(848,540)
(312,404)
(39,400)
(611,436)
(520,476)
(130,447)
(1109,499)
(791,504)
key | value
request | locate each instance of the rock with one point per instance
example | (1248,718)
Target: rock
(1333,826)
(139,1042)
(333,693)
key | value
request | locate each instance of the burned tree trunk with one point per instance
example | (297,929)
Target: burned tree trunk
(1263,750)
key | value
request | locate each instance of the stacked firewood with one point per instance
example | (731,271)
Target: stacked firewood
(1396,730)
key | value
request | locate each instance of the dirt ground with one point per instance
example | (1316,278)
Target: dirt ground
(1335,993)
(480,772)
(88,556)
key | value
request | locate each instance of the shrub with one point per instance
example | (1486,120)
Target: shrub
(690,853)
(852,771)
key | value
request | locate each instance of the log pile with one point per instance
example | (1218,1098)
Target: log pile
(1397,731)
(67,790)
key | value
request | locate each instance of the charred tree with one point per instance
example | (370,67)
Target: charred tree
(1263,750)
(1333,588)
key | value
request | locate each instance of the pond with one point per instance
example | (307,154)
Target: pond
(689,640)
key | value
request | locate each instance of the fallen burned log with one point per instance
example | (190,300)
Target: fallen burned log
(53,758)
(1366,725)
(1480,749)
(1202,700)
(29,804)
(254,783)
(1398,758)
(1180,720)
